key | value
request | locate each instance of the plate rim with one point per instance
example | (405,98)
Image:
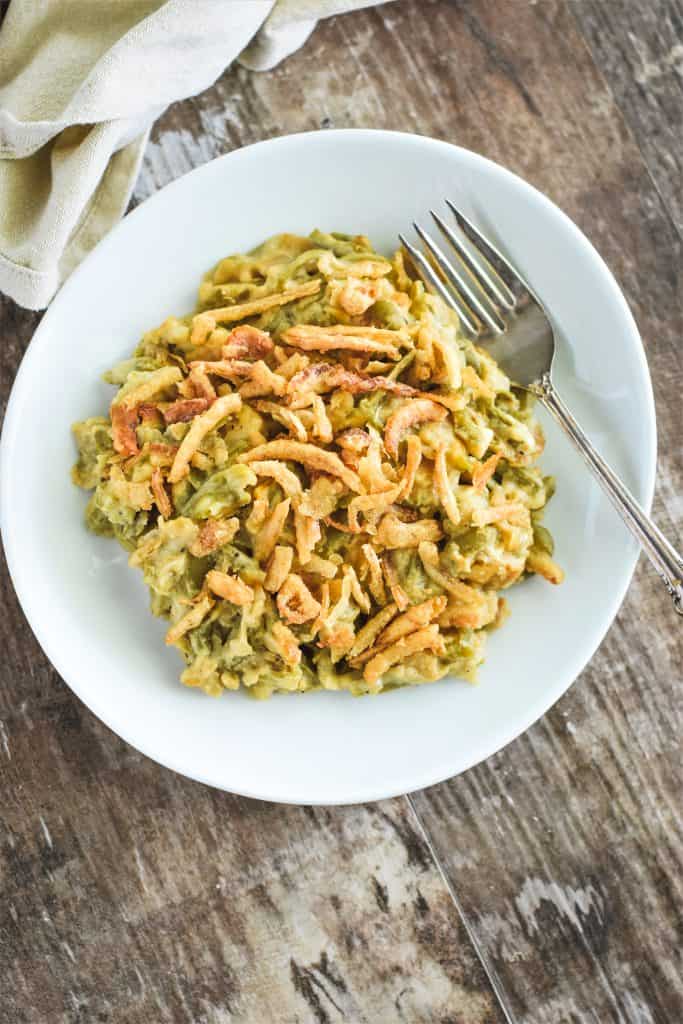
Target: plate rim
(11,425)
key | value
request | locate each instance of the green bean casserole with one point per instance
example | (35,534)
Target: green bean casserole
(324,482)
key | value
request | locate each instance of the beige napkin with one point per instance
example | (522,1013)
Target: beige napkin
(81,81)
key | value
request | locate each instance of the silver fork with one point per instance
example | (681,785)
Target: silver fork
(498,308)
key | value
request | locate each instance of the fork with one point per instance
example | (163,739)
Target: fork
(498,307)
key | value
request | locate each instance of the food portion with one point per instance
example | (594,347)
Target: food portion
(324,483)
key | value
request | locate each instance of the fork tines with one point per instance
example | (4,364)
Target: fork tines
(473,285)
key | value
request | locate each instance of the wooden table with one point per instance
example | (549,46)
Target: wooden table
(543,885)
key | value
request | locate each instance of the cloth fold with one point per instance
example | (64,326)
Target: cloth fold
(81,82)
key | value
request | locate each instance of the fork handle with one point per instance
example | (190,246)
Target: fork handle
(664,557)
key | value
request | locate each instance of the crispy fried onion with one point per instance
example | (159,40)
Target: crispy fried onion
(204,323)
(406,623)
(289,364)
(442,486)
(324,609)
(185,409)
(332,522)
(483,471)
(449,400)
(258,378)
(414,618)
(124,421)
(247,342)
(311,338)
(357,592)
(286,417)
(323,377)
(413,460)
(314,458)
(202,425)
(279,568)
(269,534)
(324,567)
(370,468)
(149,413)
(336,632)
(162,454)
(353,442)
(295,602)
(393,533)
(213,534)
(355,296)
(426,639)
(160,493)
(191,619)
(282,641)
(308,533)
(322,428)
(420,410)
(367,635)
(197,385)
(282,475)
(376,502)
(230,588)
(397,592)
(442,357)
(258,514)
(375,577)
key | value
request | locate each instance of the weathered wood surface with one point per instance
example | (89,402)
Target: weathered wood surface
(639,47)
(130,894)
(133,895)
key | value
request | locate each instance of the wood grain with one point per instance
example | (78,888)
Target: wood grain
(133,895)
(130,894)
(640,50)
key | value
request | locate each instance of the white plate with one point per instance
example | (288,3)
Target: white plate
(89,610)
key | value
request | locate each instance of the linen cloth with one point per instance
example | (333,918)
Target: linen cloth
(81,82)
